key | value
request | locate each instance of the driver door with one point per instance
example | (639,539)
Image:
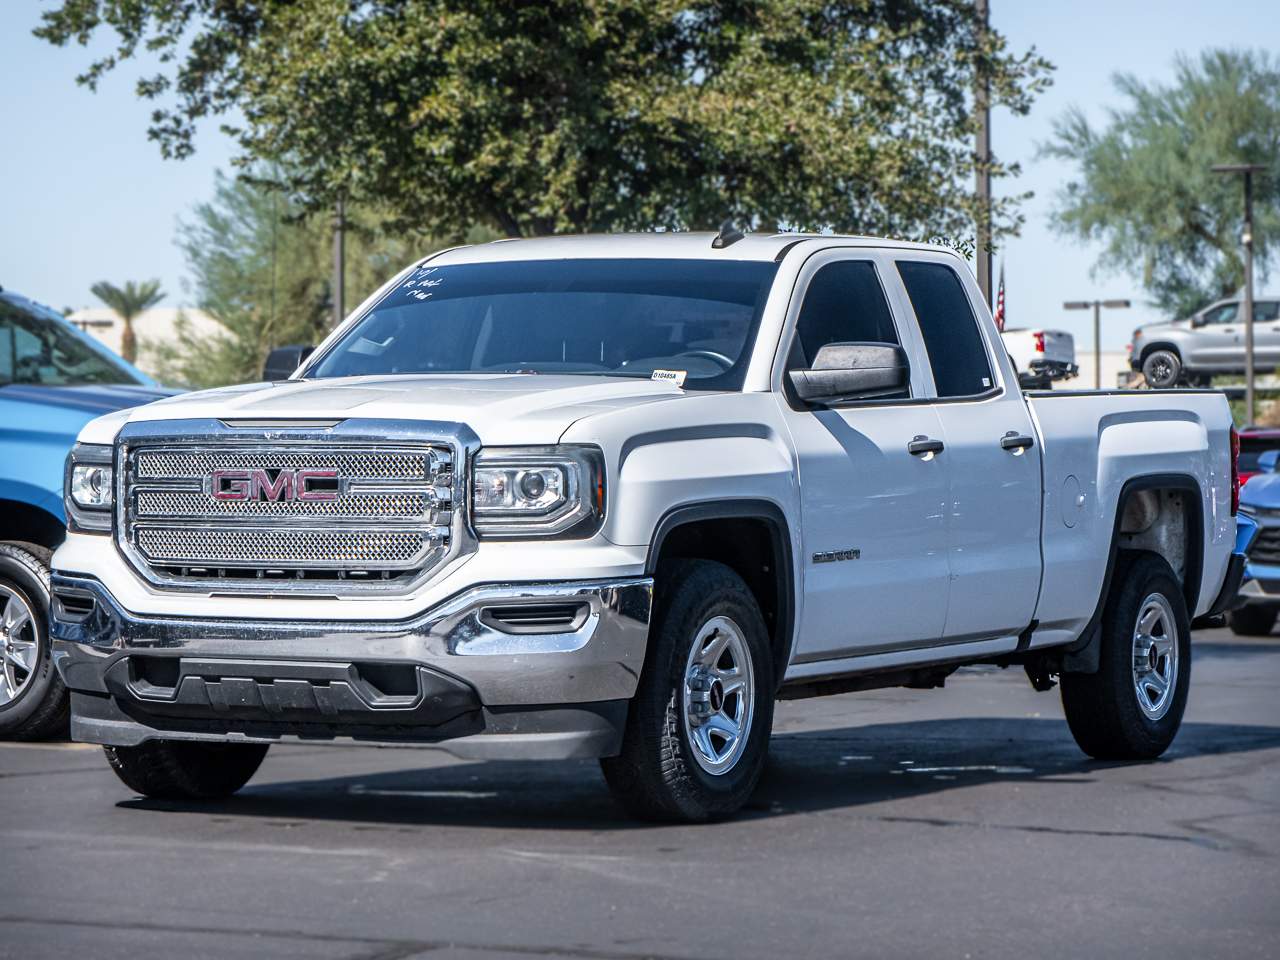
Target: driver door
(1218,343)
(874,563)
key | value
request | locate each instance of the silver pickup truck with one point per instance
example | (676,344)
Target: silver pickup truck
(1209,342)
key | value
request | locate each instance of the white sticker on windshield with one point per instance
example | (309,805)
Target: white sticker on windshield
(672,376)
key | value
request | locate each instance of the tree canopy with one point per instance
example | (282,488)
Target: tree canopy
(129,301)
(586,115)
(261,267)
(1145,187)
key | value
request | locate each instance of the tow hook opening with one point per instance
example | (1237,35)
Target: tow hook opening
(534,618)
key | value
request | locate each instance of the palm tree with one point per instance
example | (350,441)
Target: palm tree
(129,301)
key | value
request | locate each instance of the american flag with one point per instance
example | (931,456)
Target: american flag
(998,315)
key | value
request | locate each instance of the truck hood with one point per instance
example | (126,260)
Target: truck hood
(1261,492)
(1154,329)
(499,408)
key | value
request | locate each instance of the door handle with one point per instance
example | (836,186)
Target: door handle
(920,445)
(1015,441)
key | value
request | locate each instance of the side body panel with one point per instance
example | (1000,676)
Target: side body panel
(34,442)
(1095,443)
(707,447)
(1214,346)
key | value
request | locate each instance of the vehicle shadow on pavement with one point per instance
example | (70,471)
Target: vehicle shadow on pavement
(828,769)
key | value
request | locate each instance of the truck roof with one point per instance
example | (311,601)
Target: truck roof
(673,245)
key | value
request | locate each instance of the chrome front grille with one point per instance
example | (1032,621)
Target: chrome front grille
(372,515)
(410,465)
(364,506)
(1266,548)
(169,545)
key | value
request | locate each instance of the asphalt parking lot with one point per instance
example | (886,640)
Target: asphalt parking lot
(954,823)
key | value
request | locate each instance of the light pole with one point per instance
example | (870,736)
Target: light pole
(982,152)
(1097,328)
(1246,238)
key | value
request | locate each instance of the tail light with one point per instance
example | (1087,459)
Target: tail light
(1235,471)
(1039,336)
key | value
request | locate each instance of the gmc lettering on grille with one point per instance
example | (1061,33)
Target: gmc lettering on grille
(287,485)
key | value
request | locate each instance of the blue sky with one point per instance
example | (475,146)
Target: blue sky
(86,197)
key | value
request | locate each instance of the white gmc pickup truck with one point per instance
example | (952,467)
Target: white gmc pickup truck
(611,497)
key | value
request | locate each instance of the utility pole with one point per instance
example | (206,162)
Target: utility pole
(339,264)
(1246,238)
(982,151)
(1097,306)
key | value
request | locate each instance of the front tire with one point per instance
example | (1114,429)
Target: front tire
(33,702)
(1132,707)
(1252,620)
(183,770)
(1162,369)
(697,733)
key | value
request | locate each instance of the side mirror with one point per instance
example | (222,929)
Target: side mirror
(853,371)
(1267,461)
(282,361)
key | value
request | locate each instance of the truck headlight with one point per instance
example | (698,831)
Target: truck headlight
(537,491)
(89,488)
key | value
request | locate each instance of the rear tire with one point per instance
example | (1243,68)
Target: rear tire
(1252,621)
(33,702)
(708,672)
(1132,707)
(183,770)
(1162,369)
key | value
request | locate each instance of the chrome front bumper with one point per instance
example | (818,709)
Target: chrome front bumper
(539,669)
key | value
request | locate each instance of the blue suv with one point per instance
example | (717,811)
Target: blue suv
(1259,596)
(53,380)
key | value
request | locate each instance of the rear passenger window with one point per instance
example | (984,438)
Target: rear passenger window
(957,353)
(844,304)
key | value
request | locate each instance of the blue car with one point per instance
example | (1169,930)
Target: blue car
(1260,593)
(53,380)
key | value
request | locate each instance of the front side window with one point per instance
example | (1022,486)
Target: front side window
(957,354)
(843,304)
(38,347)
(1223,314)
(614,317)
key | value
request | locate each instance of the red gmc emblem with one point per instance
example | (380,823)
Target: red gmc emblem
(287,485)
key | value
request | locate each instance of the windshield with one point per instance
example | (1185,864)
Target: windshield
(38,347)
(622,318)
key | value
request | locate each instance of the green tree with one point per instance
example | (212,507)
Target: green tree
(262,268)
(586,115)
(129,301)
(1144,186)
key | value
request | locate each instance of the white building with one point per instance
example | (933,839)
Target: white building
(1115,365)
(157,325)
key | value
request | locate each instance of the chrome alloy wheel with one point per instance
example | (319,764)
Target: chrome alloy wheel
(719,695)
(18,644)
(1155,656)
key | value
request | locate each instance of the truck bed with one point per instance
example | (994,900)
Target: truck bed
(1094,444)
